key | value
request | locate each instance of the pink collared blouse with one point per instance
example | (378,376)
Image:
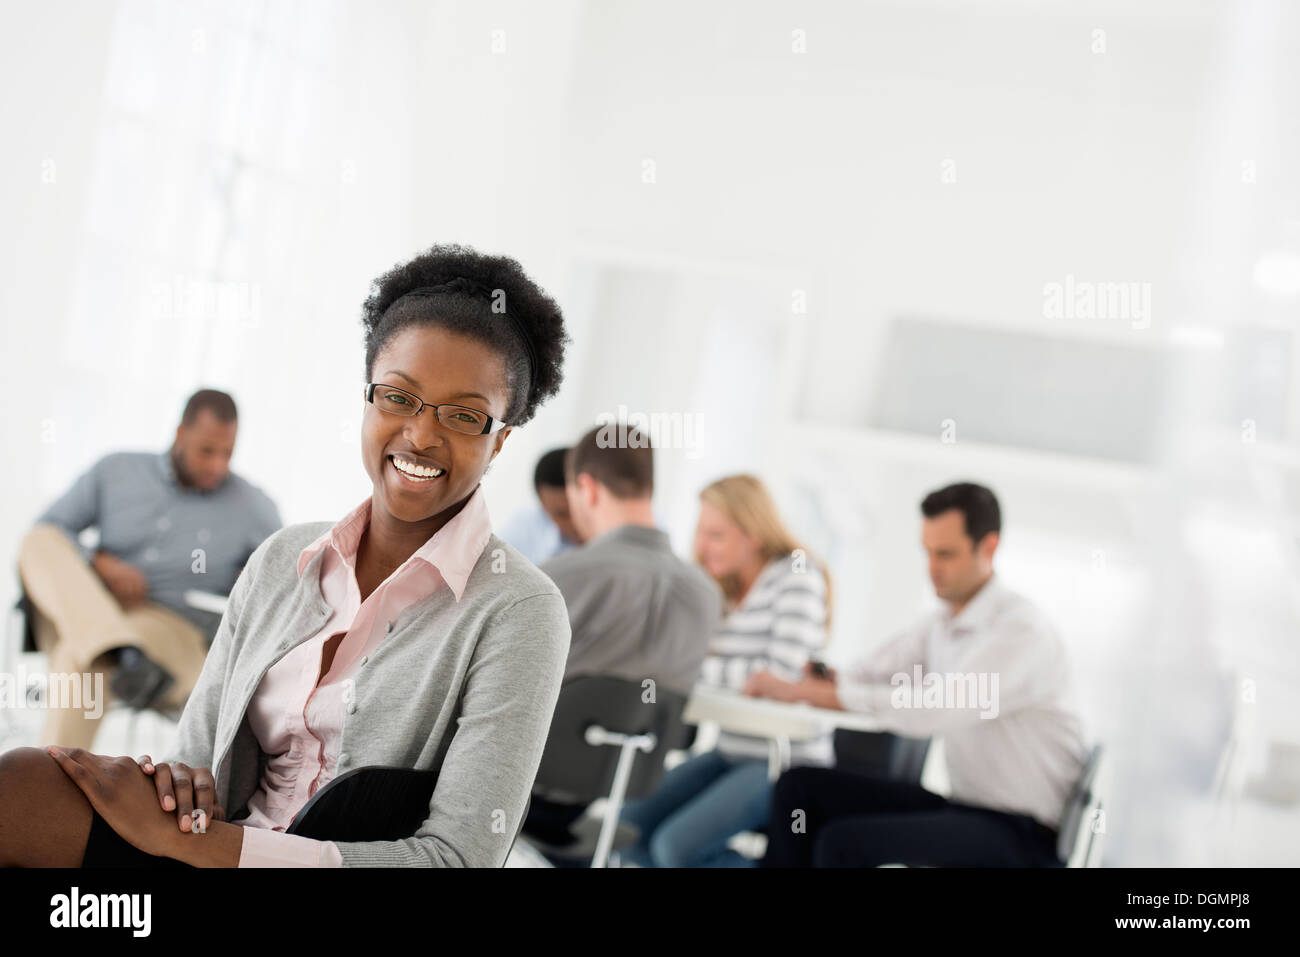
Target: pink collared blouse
(297,713)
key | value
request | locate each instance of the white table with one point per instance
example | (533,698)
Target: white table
(779,721)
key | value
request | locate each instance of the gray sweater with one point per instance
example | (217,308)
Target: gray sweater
(466,688)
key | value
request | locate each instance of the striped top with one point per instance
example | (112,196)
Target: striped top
(777,625)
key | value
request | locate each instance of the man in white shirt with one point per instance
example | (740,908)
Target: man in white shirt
(988,674)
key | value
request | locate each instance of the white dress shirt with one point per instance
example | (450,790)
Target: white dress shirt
(995,685)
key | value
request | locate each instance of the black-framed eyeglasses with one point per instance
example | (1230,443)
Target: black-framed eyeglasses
(458,418)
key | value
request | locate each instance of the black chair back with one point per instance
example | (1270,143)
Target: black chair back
(372,804)
(881,754)
(575,772)
(367,804)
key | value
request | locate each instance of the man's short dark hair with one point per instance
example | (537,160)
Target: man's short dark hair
(218,403)
(550,470)
(618,456)
(977,504)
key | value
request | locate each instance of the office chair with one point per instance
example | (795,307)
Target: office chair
(372,803)
(1083,820)
(1083,823)
(881,754)
(606,742)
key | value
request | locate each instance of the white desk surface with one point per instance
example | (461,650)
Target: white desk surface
(765,717)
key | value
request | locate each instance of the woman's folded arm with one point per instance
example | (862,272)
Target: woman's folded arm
(507,702)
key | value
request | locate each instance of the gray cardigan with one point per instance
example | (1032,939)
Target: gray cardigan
(467,688)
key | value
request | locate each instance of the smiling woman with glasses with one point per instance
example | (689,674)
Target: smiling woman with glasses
(405,635)
(455,417)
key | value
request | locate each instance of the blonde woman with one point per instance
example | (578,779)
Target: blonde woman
(777,615)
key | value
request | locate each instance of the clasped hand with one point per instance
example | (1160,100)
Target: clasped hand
(149,814)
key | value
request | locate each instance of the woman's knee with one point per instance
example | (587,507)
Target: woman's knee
(700,830)
(668,850)
(676,841)
(28,778)
(18,766)
(44,817)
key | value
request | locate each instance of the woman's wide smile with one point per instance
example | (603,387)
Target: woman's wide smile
(414,476)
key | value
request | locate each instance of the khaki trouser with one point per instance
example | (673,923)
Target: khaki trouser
(77,619)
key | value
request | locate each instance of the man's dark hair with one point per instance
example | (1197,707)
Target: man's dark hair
(977,504)
(489,299)
(619,457)
(550,470)
(218,403)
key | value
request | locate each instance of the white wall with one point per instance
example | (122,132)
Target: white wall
(356,134)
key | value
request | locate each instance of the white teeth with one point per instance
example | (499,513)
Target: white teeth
(410,468)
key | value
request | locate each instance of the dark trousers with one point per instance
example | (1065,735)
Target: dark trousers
(823,817)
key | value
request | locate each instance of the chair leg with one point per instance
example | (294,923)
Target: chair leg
(1092,855)
(778,756)
(609,826)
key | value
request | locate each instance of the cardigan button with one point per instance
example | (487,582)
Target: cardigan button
(364,659)
(391,626)
(343,757)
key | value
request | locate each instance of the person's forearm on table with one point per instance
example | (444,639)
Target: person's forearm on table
(819,693)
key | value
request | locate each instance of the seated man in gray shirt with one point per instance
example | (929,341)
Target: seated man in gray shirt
(636,610)
(169,523)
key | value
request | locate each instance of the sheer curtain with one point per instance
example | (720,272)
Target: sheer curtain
(246,182)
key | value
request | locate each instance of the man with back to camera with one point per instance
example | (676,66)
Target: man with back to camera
(545,528)
(1013,741)
(636,610)
(169,522)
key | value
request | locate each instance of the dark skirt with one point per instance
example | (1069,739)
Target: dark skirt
(106,848)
